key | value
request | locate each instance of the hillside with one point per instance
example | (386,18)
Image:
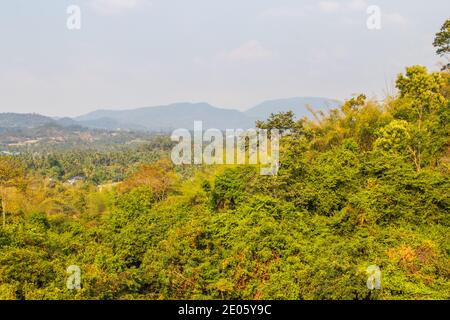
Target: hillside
(51,136)
(29,120)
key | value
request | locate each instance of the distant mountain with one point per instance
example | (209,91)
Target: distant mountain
(298,105)
(183,115)
(169,117)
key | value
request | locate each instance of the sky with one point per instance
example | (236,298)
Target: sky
(230,53)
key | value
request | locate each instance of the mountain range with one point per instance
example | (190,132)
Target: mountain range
(169,117)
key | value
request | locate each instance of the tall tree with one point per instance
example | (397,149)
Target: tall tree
(420,103)
(442,42)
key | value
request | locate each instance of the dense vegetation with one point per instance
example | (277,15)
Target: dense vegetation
(98,165)
(366,184)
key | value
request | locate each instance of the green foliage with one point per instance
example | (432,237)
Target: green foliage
(229,187)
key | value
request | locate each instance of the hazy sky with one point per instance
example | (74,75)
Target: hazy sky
(230,53)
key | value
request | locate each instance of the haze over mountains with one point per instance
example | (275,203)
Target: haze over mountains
(169,117)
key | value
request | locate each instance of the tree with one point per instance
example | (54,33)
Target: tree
(11,173)
(158,176)
(420,103)
(442,41)
(282,121)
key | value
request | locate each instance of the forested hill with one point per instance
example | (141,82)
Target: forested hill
(367,185)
